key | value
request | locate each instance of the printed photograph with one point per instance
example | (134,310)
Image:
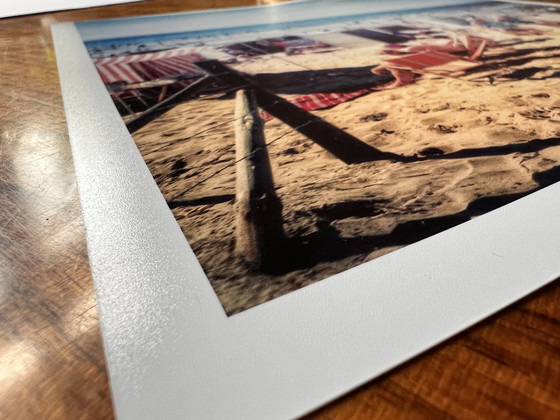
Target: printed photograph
(294,151)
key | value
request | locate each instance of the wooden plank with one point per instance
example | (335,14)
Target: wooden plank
(338,142)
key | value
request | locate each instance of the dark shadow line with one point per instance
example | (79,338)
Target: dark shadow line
(215,199)
(520,53)
(491,65)
(529,146)
(522,74)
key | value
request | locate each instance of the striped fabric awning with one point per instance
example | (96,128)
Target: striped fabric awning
(136,68)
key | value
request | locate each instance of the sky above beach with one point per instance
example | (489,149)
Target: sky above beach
(241,18)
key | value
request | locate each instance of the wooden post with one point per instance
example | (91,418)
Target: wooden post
(259,231)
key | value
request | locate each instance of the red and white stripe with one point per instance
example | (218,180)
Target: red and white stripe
(317,101)
(137,68)
(325,100)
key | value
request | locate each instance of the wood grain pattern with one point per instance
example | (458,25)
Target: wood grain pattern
(51,356)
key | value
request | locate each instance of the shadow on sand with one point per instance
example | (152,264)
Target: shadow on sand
(326,244)
(306,82)
(529,146)
(215,199)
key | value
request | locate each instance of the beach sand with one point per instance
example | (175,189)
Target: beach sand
(481,141)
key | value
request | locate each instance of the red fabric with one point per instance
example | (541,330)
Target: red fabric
(422,60)
(317,101)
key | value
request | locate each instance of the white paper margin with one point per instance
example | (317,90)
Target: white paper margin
(10,8)
(173,353)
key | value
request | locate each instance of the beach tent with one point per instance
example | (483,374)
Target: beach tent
(138,68)
(137,81)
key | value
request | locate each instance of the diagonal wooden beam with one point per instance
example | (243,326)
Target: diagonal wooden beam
(338,142)
(163,106)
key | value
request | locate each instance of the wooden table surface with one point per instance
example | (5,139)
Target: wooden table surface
(51,355)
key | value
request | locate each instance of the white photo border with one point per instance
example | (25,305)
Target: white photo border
(171,350)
